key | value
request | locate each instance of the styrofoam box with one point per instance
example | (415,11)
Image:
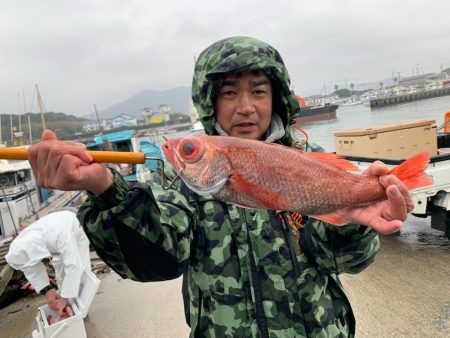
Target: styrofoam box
(392,141)
(72,327)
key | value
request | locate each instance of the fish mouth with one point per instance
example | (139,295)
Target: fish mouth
(167,150)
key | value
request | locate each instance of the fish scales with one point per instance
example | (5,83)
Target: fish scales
(309,185)
(261,175)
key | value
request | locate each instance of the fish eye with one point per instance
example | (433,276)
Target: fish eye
(188,148)
(191,150)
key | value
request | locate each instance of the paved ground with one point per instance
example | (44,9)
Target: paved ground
(405,293)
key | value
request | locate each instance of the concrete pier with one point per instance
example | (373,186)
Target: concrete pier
(397,99)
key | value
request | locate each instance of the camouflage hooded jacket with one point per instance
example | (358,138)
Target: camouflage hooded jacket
(245,275)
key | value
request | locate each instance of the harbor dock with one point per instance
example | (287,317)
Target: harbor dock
(384,101)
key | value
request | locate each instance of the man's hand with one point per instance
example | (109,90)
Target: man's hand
(386,216)
(65,165)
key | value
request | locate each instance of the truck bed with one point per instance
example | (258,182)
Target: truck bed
(433,200)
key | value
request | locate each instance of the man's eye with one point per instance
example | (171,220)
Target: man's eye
(260,92)
(228,93)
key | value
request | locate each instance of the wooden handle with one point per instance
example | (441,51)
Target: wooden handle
(14,153)
(99,156)
(117,157)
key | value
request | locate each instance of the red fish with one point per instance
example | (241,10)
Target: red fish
(260,175)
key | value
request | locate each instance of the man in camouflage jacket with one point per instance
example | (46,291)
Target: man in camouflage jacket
(247,273)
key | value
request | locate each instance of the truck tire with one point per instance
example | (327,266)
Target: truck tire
(447,226)
(440,220)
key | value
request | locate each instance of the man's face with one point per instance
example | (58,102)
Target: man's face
(244,104)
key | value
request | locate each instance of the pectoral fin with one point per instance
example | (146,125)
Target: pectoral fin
(332,218)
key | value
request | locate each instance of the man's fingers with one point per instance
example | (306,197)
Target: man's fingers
(48,135)
(398,207)
(377,168)
(390,180)
(384,227)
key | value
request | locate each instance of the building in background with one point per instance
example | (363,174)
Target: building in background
(153,116)
(123,120)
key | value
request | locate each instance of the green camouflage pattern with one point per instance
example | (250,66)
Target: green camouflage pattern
(247,277)
(232,253)
(237,54)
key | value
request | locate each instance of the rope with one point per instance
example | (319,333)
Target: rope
(294,221)
(305,141)
(443,125)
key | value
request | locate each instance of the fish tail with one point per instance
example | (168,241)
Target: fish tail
(411,172)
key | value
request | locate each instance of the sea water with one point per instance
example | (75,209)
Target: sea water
(360,116)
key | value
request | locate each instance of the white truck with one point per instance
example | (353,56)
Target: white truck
(394,143)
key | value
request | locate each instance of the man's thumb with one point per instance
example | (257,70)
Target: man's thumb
(48,135)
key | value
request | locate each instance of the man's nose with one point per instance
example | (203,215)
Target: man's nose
(245,104)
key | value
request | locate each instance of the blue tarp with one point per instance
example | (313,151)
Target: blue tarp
(111,137)
(153,150)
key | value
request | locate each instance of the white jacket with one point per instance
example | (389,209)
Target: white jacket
(57,235)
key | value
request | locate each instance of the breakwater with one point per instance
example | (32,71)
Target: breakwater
(409,97)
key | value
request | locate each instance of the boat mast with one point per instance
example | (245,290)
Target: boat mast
(29,130)
(41,106)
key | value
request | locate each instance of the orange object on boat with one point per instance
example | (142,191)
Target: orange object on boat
(447,122)
(301,101)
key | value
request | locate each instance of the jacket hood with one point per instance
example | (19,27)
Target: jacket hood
(236,54)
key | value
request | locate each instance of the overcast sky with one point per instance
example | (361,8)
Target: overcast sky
(82,52)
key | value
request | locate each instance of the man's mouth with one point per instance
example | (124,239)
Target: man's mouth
(244,126)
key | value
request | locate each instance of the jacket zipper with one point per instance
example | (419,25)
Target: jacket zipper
(259,308)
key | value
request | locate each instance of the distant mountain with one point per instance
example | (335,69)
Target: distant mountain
(178,98)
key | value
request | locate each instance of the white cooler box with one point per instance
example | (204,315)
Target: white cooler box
(72,327)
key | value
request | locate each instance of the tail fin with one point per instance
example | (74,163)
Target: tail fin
(411,172)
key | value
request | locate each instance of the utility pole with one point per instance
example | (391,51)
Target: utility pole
(100,127)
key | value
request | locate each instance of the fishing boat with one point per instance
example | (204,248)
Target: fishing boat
(130,141)
(22,202)
(316,113)
(310,113)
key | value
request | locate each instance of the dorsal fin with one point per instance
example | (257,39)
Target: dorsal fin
(334,160)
